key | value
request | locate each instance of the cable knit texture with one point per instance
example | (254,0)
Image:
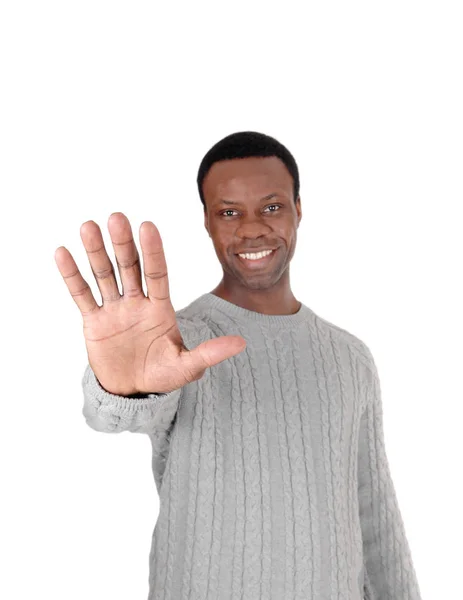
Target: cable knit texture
(271,469)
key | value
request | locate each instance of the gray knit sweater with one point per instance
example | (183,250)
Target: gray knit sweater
(271,469)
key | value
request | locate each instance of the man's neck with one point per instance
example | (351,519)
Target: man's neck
(269,302)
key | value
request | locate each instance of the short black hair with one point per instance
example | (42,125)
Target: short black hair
(244,144)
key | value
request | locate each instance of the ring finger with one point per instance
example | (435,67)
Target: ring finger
(102,267)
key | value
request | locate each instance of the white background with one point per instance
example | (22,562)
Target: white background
(110,106)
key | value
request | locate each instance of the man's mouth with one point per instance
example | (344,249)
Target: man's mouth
(255,260)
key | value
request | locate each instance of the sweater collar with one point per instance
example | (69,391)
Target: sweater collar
(245,315)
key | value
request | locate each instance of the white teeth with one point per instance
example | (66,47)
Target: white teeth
(256,256)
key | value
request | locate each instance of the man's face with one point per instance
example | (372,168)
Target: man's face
(250,207)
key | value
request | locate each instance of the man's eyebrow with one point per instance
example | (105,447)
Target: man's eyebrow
(237,202)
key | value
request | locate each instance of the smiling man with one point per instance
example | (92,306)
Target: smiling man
(242,223)
(265,419)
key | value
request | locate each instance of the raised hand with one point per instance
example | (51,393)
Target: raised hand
(134,345)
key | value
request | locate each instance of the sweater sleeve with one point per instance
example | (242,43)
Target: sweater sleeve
(110,413)
(389,570)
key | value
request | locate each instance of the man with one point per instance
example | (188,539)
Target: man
(265,419)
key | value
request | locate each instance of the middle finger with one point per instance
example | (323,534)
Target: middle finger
(127,256)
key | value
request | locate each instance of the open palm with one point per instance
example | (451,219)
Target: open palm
(133,341)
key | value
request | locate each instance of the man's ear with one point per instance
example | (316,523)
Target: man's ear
(298,210)
(205,222)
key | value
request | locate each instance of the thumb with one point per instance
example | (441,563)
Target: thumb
(212,352)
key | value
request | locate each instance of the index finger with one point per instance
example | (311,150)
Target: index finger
(154,263)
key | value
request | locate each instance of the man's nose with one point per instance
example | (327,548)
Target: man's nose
(252,225)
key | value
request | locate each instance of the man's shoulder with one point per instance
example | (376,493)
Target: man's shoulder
(345,337)
(193,325)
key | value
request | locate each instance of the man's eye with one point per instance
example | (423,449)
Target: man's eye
(231,210)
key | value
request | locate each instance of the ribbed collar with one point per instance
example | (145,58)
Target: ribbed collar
(245,315)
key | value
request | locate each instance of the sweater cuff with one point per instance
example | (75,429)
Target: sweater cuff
(134,402)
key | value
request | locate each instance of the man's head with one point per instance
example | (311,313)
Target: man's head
(249,187)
